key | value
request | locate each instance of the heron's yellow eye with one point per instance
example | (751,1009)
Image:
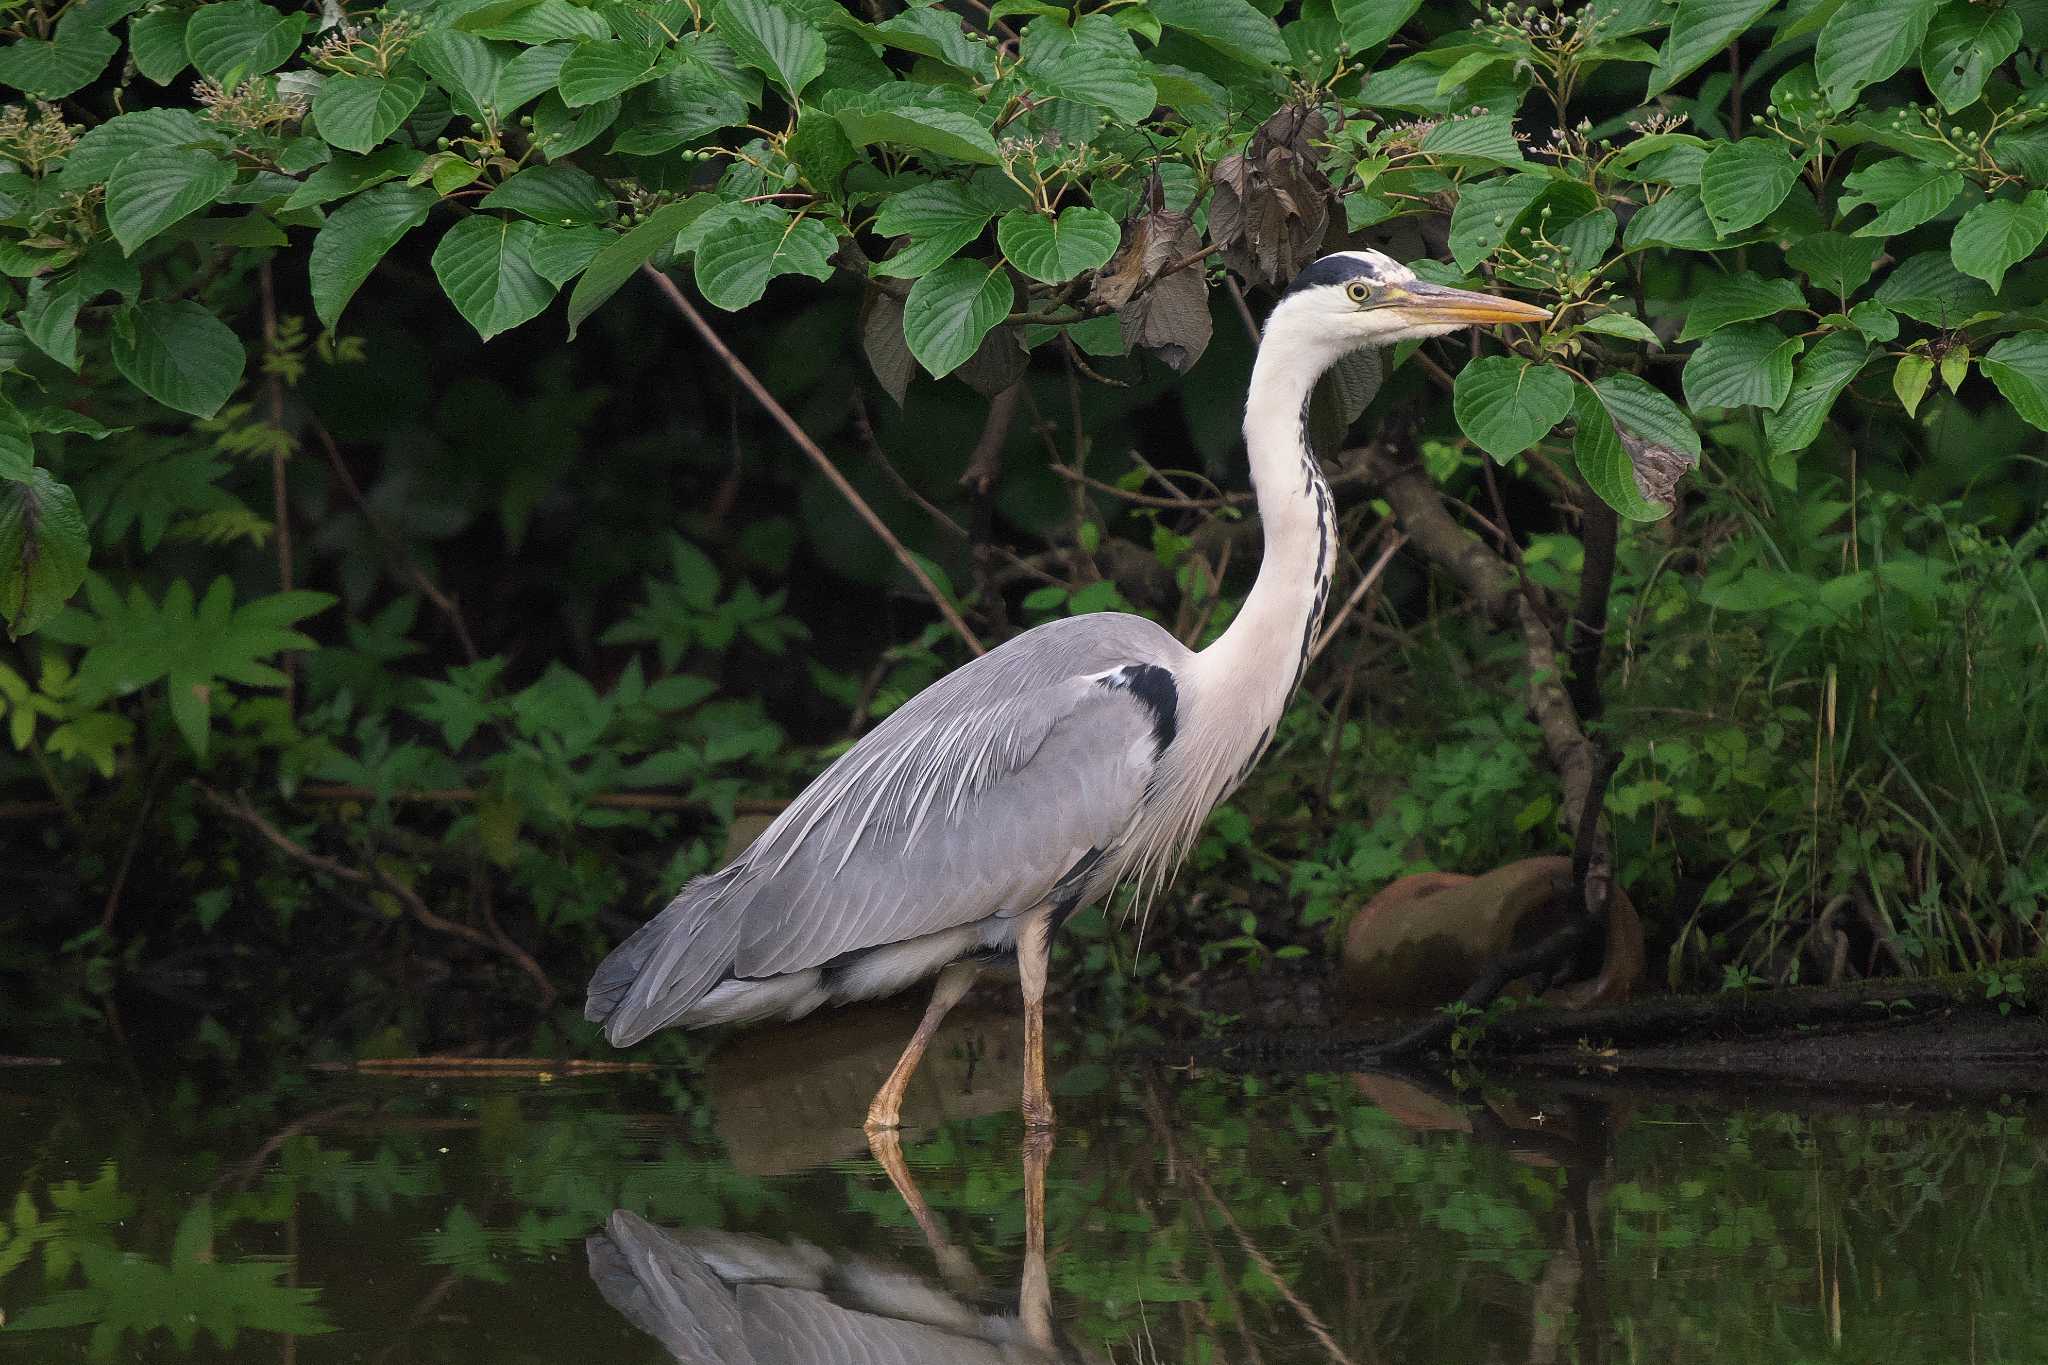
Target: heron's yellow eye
(1358,291)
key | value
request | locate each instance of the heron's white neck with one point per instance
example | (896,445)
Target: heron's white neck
(1260,658)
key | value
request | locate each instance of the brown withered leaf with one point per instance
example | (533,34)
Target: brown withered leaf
(1165,313)
(1271,204)
(1658,467)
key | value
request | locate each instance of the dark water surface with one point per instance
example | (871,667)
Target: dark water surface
(1189,1215)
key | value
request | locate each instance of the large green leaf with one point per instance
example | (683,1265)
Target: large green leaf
(1700,29)
(741,247)
(1487,212)
(106,146)
(534,71)
(1507,404)
(775,40)
(52,70)
(1742,297)
(616,261)
(1834,261)
(1368,23)
(1232,27)
(17,450)
(464,65)
(241,38)
(940,216)
(1679,219)
(561,195)
(951,309)
(49,317)
(1997,235)
(1964,44)
(1929,289)
(1835,360)
(355,237)
(928,118)
(178,353)
(1742,183)
(2019,366)
(355,113)
(347,174)
(156,187)
(1054,250)
(135,642)
(1604,461)
(1865,41)
(542,21)
(1644,411)
(43,550)
(1091,74)
(595,71)
(157,42)
(1747,365)
(938,33)
(1904,192)
(483,267)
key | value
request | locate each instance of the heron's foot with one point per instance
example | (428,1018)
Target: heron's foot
(881,1119)
(1038,1113)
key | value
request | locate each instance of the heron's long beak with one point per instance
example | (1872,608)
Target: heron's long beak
(1423,302)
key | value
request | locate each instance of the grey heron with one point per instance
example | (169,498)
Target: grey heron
(1081,755)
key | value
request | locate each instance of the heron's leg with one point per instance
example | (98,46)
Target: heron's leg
(953,983)
(1034,950)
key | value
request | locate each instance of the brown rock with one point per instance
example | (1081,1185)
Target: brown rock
(1423,939)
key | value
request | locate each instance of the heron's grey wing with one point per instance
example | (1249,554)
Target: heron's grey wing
(972,800)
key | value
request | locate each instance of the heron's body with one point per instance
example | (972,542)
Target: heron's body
(1077,756)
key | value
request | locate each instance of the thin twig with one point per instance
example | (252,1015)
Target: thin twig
(281,513)
(466,795)
(1365,584)
(810,449)
(1179,503)
(377,877)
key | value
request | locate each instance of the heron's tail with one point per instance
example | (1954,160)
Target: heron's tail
(669,964)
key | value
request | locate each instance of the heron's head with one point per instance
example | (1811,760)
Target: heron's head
(1352,299)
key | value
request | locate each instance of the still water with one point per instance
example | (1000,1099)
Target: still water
(1189,1214)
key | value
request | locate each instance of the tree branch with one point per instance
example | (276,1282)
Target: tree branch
(796,433)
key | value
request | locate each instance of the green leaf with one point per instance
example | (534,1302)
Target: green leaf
(1644,411)
(155,188)
(53,70)
(157,42)
(17,450)
(1232,27)
(559,130)
(937,33)
(462,64)
(355,237)
(347,174)
(775,40)
(595,71)
(43,550)
(1738,298)
(104,148)
(1965,43)
(534,71)
(1604,461)
(1997,235)
(1835,360)
(1368,23)
(355,113)
(1747,365)
(1089,73)
(1053,251)
(1700,29)
(1679,219)
(483,268)
(543,21)
(178,353)
(744,246)
(1834,261)
(941,216)
(686,105)
(561,253)
(2018,365)
(615,263)
(49,317)
(951,309)
(1484,139)
(561,195)
(927,118)
(1507,405)
(1866,41)
(1927,288)
(233,40)
(1874,320)
(1904,193)
(136,642)
(1910,380)
(1742,183)
(1622,325)
(1487,212)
